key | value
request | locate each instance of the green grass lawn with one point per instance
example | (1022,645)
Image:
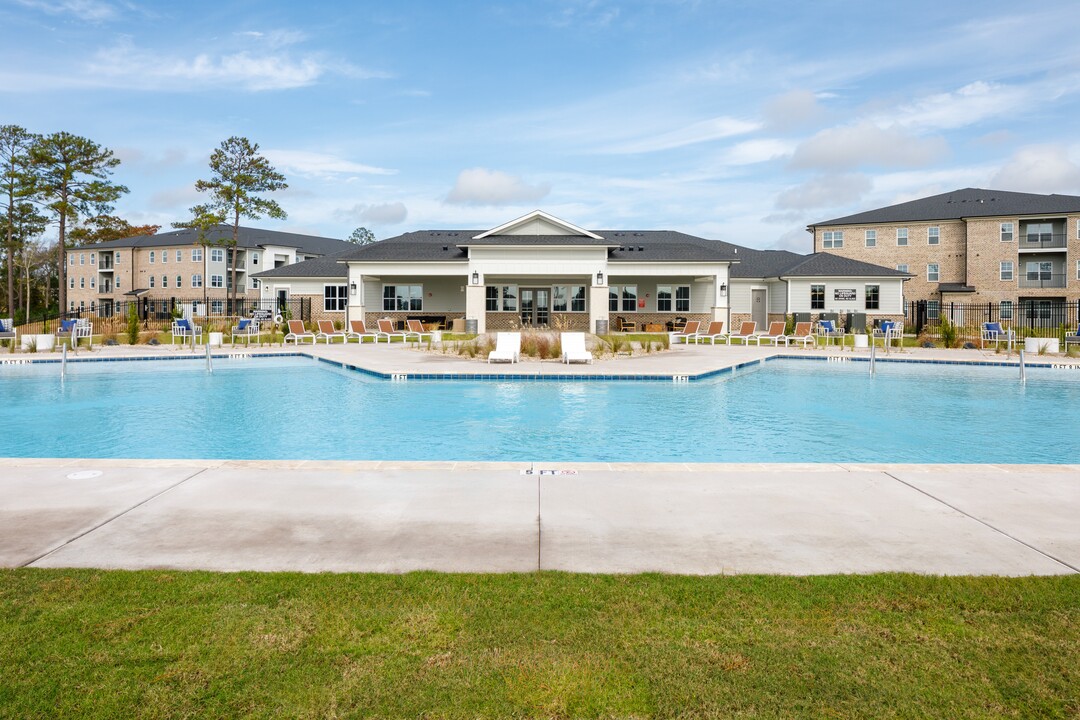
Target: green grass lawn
(176,644)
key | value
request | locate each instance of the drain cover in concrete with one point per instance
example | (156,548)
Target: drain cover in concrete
(84,475)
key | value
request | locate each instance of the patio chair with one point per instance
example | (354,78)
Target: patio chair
(828,331)
(415,327)
(889,332)
(246,328)
(297,333)
(66,331)
(624,325)
(573,348)
(804,333)
(358,330)
(775,335)
(8,330)
(184,330)
(328,332)
(688,333)
(747,332)
(992,332)
(83,329)
(507,348)
(1073,339)
(386,329)
(714,333)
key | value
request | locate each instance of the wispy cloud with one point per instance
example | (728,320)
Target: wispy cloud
(390,213)
(865,144)
(704,131)
(93,11)
(315,164)
(137,68)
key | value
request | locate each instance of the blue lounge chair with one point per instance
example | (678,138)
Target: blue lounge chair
(247,329)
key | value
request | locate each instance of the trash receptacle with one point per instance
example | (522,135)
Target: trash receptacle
(601,326)
(856,322)
(470,326)
(802,317)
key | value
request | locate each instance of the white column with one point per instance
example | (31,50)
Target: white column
(476,305)
(598,304)
(722,291)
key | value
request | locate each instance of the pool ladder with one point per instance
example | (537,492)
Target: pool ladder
(209,362)
(1023,369)
(63,362)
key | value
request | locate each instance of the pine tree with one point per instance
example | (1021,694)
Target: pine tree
(20,220)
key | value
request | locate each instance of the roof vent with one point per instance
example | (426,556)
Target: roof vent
(445,248)
(640,249)
(638,234)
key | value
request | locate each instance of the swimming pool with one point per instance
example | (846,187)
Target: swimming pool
(781,411)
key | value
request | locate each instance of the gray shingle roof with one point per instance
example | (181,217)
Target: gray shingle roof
(968,202)
(327,266)
(639,246)
(248,238)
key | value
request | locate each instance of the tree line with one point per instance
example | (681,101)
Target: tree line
(64,180)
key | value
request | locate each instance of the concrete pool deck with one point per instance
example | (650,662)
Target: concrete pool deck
(495,517)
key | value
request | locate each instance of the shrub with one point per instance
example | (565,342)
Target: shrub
(948,333)
(132,325)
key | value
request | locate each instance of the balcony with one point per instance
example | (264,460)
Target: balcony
(1041,241)
(105,263)
(1043,280)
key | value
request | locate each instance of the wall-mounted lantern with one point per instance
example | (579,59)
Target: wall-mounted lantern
(723,289)
(475,278)
(600,278)
(352,288)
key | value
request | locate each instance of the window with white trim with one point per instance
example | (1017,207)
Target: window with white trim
(558,298)
(901,236)
(217,281)
(335,298)
(179,281)
(902,267)
(491,298)
(196,280)
(82,258)
(817,297)
(1006,232)
(1040,270)
(164,281)
(196,255)
(254,258)
(117,256)
(1078,269)
(71,282)
(832,239)
(93,282)
(93,258)
(217,255)
(217,307)
(871,238)
(152,256)
(82,283)
(164,256)
(1006,271)
(933,235)
(1005,310)
(933,272)
(71,260)
(403,298)
(622,298)
(577,298)
(151,281)
(873,297)
(933,309)
(179,256)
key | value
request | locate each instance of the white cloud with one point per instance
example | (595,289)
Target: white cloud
(1039,169)
(712,129)
(88,10)
(864,144)
(320,164)
(756,151)
(274,38)
(480,186)
(131,67)
(968,105)
(390,213)
(796,240)
(825,191)
(792,110)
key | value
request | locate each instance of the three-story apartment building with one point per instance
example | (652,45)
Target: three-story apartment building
(1012,252)
(174,267)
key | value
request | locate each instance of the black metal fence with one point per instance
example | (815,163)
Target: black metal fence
(1027,317)
(156,314)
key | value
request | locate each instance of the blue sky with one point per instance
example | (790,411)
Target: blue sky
(741,121)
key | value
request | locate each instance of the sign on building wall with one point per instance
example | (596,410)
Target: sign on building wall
(843,294)
(261,315)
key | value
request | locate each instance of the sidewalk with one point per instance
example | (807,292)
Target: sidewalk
(500,517)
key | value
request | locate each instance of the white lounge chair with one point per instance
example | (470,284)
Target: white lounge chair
(358,330)
(714,333)
(507,348)
(993,332)
(415,327)
(184,330)
(328,332)
(8,330)
(804,333)
(297,333)
(573,348)
(246,328)
(775,335)
(747,332)
(688,333)
(386,329)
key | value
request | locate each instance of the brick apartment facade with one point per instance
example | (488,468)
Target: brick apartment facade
(1004,250)
(172,267)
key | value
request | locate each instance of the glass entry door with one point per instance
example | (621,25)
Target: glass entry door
(535,306)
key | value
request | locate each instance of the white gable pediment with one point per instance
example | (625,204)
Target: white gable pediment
(538,222)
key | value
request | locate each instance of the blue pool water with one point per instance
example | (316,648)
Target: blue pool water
(782,411)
